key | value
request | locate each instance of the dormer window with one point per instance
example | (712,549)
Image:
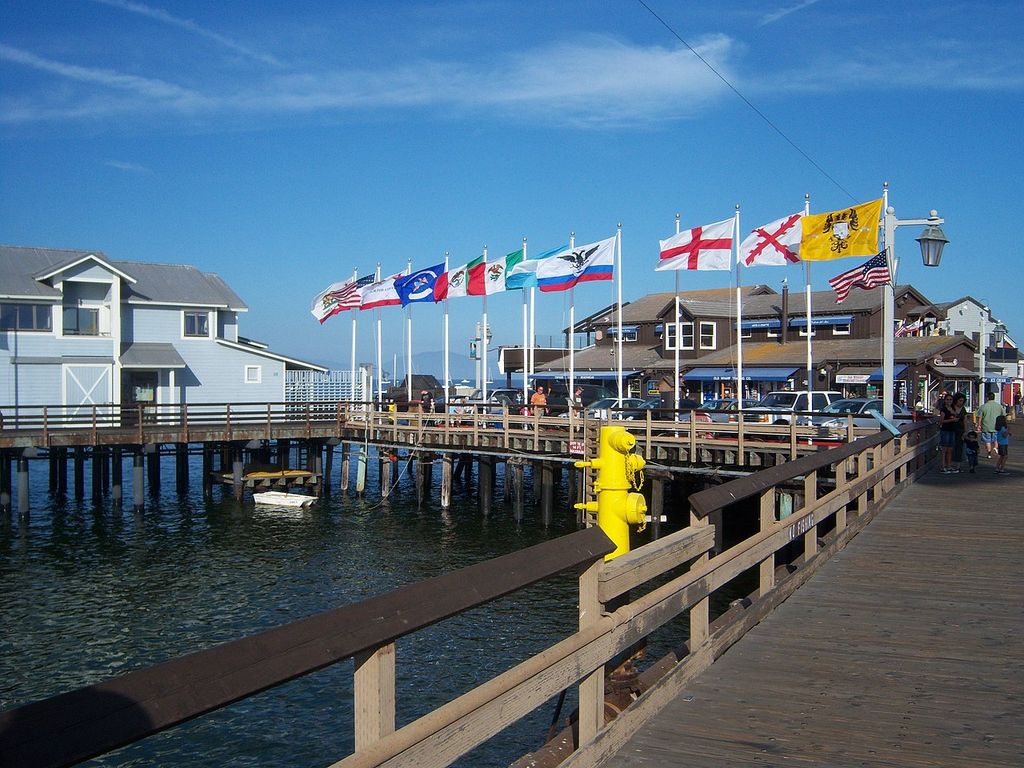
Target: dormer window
(196,325)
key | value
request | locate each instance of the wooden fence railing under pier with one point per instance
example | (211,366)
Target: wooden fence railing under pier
(747,441)
(802,522)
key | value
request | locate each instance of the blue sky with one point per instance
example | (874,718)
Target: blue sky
(284,144)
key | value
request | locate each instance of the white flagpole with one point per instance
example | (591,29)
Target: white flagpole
(526,332)
(532,330)
(572,328)
(408,342)
(810,359)
(352,368)
(380,362)
(739,315)
(676,330)
(618,302)
(447,367)
(483,335)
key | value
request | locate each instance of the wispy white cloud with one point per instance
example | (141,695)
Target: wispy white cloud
(771,18)
(127,167)
(158,14)
(595,81)
(147,88)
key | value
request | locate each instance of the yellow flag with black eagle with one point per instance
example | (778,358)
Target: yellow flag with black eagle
(852,231)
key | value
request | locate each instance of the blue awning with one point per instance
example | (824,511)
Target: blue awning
(659,328)
(897,371)
(584,375)
(729,374)
(614,330)
(801,322)
(753,325)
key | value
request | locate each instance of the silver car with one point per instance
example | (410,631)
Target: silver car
(835,416)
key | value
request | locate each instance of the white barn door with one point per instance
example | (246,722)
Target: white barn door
(85,386)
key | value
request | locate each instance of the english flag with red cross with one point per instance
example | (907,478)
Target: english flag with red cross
(707,247)
(775,244)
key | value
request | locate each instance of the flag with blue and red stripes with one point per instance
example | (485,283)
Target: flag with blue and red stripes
(871,274)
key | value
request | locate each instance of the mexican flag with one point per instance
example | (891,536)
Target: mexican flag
(489,277)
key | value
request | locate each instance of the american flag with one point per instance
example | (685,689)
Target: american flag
(871,274)
(340,297)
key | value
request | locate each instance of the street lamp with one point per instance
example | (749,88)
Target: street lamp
(932,240)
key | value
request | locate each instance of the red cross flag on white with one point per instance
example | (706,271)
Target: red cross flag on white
(707,247)
(775,244)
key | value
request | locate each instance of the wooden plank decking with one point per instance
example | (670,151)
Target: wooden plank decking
(906,649)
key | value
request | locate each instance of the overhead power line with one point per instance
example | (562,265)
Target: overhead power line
(748,102)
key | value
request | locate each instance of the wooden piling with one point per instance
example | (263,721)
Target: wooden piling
(344,468)
(5,482)
(207,470)
(361,460)
(446,481)
(116,475)
(62,472)
(22,486)
(153,469)
(422,472)
(98,460)
(657,506)
(328,469)
(137,483)
(237,484)
(517,490)
(547,493)
(284,447)
(536,473)
(385,477)
(54,465)
(181,467)
(485,471)
(79,466)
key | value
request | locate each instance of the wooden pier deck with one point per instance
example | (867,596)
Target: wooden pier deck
(906,649)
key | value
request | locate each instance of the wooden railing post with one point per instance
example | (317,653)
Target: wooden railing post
(766,570)
(810,498)
(142,413)
(700,612)
(591,687)
(46,426)
(227,420)
(740,448)
(374,689)
(504,424)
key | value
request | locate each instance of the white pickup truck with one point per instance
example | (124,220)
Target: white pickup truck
(779,407)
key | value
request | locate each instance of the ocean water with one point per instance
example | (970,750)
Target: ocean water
(91,590)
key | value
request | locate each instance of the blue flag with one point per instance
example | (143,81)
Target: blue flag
(418,286)
(524,274)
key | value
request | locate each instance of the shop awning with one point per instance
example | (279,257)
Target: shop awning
(729,374)
(585,375)
(862,374)
(801,322)
(614,330)
(754,325)
(953,372)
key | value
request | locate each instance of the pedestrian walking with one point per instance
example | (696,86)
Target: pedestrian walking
(971,450)
(1002,444)
(951,430)
(987,414)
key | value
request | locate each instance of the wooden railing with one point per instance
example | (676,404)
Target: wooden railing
(472,426)
(831,496)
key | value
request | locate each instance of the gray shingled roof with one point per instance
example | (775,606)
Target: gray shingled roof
(171,283)
(601,358)
(907,349)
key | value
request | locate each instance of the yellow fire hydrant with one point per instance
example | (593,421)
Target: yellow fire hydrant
(617,505)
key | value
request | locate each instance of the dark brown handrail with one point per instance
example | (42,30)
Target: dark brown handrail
(74,726)
(707,501)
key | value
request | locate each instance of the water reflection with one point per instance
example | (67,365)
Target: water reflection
(95,589)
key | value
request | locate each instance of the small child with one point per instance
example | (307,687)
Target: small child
(971,449)
(1002,443)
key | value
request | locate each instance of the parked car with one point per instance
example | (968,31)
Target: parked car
(719,408)
(838,413)
(608,407)
(497,399)
(778,407)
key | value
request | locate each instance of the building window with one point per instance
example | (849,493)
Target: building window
(686,330)
(842,329)
(26,317)
(803,331)
(629,334)
(707,335)
(253,374)
(81,321)
(774,333)
(746,333)
(197,325)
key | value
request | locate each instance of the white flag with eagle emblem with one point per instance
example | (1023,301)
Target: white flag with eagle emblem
(581,264)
